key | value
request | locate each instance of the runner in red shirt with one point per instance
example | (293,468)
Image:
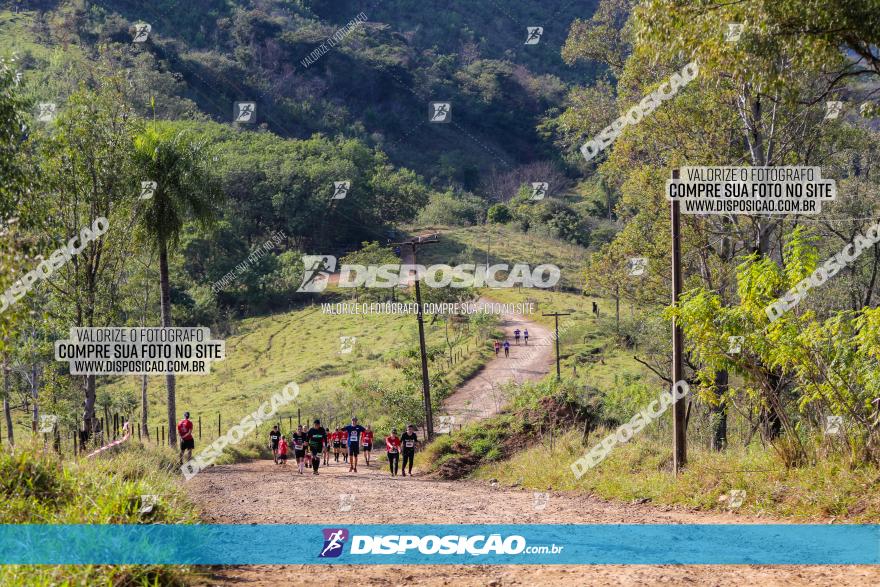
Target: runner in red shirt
(282,451)
(367,443)
(187,442)
(336,439)
(392,449)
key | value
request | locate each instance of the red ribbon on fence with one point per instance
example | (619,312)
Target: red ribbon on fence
(125,428)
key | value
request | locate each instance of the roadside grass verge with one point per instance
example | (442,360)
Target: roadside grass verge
(38,488)
(641,470)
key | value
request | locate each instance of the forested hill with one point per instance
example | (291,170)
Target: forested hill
(373,81)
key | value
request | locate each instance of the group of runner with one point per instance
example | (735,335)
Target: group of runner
(312,446)
(506,344)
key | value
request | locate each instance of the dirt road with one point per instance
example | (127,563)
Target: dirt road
(263,493)
(482,396)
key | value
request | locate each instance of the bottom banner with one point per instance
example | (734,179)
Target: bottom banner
(766,544)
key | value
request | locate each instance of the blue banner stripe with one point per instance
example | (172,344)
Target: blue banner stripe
(441,544)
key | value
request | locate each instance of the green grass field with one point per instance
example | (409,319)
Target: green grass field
(301,346)
(504,244)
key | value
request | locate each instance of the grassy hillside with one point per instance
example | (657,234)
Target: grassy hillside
(303,346)
(504,243)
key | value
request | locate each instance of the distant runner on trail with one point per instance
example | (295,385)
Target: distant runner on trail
(299,440)
(282,451)
(353,431)
(392,449)
(410,440)
(506,348)
(274,437)
(497,346)
(317,437)
(337,443)
(526,336)
(367,444)
(516,335)
(326,450)
(187,442)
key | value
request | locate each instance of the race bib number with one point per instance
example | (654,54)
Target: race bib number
(297,445)
(410,443)
(353,437)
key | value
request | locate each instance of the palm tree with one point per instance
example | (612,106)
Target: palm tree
(185,191)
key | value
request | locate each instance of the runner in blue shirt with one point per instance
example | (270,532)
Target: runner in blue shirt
(353,433)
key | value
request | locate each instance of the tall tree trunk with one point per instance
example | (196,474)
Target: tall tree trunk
(34,393)
(144,406)
(7,411)
(719,413)
(165,303)
(89,407)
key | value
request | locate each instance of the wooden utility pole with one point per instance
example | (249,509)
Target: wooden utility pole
(679,432)
(556,315)
(426,384)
